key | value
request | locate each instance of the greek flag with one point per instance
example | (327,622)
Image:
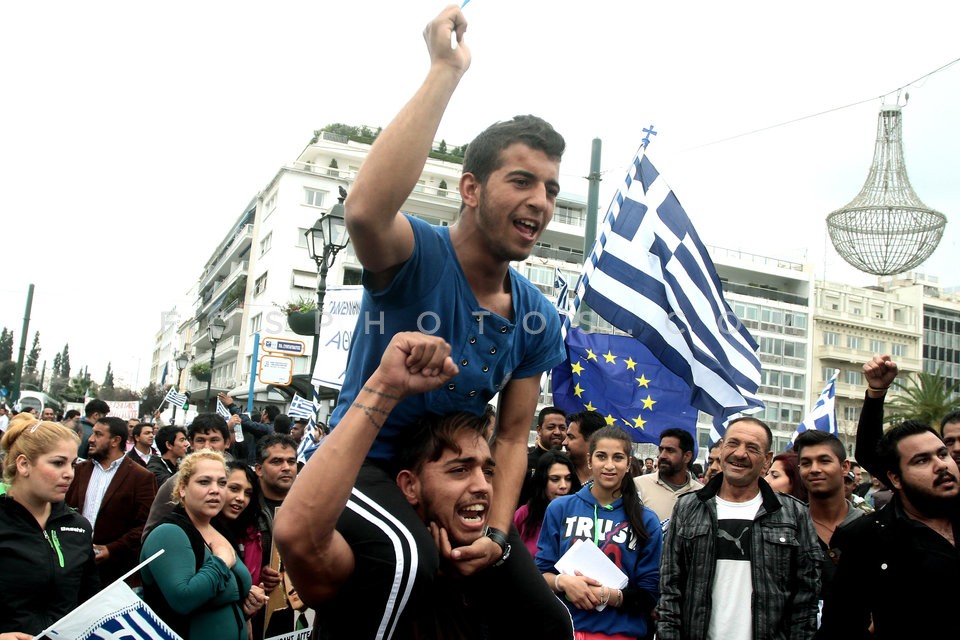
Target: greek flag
(650,276)
(563,302)
(312,434)
(115,612)
(176,399)
(823,416)
(222,410)
(301,408)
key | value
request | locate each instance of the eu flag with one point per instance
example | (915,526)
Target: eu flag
(620,378)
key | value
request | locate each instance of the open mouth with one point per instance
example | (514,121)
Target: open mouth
(474,514)
(527,228)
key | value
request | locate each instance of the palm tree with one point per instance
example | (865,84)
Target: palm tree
(923,396)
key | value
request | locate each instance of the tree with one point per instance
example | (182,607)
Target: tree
(30,366)
(8,369)
(442,147)
(6,345)
(79,387)
(108,379)
(923,396)
(151,398)
(65,361)
(117,393)
(57,359)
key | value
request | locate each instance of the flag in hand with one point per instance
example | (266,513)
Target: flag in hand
(176,399)
(301,408)
(222,409)
(115,612)
(619,377)
(823,416)
(650,276)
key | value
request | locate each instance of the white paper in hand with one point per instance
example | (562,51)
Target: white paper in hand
(587,558)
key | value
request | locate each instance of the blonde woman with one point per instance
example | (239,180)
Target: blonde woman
(198,586)
(46,548)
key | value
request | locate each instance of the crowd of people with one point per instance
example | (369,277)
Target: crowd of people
(414,517)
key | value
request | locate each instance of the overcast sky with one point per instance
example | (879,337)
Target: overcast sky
(133,134)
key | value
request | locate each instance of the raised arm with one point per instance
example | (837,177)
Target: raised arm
(381,236)
(879,372)
(316,556)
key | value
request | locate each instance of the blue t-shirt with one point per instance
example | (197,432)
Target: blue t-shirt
(431,294)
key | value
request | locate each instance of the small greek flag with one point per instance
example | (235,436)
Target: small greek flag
(301,408)
(222,410)
(176,399)
(823,416)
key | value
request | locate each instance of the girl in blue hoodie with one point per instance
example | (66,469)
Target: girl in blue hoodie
(606,512)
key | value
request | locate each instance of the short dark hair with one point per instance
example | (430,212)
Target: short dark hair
(813,437)
(69,415)
(138,428)
(682,435)
(887,453)
(549,411)
(96,406)
(590,422)
(756,421)
(116,426)
(272,412)
(271,440)
(206,422)
(281,424)
(166,436)
(950,418)
(435,434)
(483,155)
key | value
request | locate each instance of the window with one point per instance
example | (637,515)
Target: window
(794,349)
(265,243)
(853,377)
(854,342)
(351,276)
(851,412)
(878,346)
(301,238)
(827,372)
(259,285)
(540,275)
(304,279)
(255,322)
(898,350)
(313,197)
(831,338)
(270,203)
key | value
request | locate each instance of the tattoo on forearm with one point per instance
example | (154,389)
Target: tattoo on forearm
(380,393)
(370,412)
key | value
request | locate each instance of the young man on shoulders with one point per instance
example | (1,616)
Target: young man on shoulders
(456,283)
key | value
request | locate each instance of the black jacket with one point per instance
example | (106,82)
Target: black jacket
(895,572)
(44,573)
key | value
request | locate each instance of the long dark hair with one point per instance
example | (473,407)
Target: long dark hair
(537,504)
(789,461)
(632,504)
(248,517)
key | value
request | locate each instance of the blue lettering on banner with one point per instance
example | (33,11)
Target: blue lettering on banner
(341,339)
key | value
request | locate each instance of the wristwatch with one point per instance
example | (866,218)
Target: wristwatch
(501,539)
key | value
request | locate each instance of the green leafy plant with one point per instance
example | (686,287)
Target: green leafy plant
(300,305)
(200,371)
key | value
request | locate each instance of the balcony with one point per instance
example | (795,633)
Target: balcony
(231,252)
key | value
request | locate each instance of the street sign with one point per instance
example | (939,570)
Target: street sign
(285,346)
(276,370)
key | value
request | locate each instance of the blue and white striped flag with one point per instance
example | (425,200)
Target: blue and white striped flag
(301,408)
(563,301)
(115,612)
(222,410)
(823,416)
(312,434)
(176,399)
(650,276)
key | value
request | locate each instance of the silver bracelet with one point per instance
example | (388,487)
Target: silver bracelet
(556,584)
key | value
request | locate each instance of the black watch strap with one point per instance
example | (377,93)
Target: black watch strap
(497,536)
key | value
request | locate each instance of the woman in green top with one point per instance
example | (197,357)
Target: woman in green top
(197,586)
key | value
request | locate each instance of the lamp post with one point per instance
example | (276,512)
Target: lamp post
(324,240)
(216,328)
(181,360)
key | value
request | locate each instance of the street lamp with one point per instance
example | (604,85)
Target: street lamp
(324,240)
(181,361)
(216,327)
